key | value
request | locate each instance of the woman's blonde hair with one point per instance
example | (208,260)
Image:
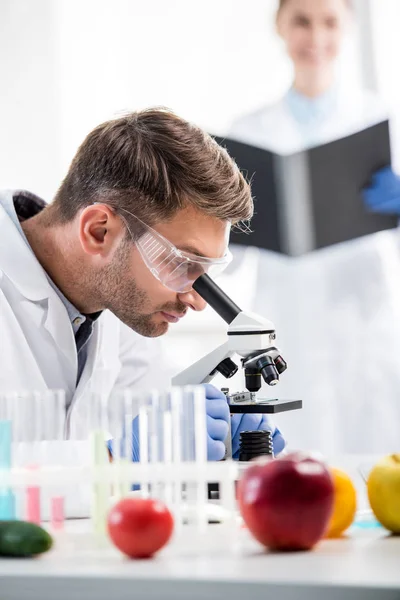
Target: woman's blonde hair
(283,2)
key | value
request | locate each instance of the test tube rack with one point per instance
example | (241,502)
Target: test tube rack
(172,465)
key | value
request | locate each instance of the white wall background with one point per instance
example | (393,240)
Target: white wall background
(385,20)
(29,102)
(385,27)
(66,65)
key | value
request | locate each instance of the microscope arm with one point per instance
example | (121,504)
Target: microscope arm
(204,369)
(248,336)
(251,337)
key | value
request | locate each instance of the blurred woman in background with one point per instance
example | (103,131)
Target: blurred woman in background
(317,108)
(336,310)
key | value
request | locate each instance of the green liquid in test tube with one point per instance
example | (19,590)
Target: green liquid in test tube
(100,491)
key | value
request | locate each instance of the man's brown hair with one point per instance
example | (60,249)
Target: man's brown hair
(152,163)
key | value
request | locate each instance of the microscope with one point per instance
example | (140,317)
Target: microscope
(252,338)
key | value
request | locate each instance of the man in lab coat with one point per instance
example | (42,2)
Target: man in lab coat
(88,282)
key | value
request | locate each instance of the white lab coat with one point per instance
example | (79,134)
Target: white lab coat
(336,310)
(37,345)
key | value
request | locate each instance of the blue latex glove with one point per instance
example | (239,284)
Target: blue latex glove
(383,194)
(252,422)
(217,410)
(135,441)
(217,426)
(218,415)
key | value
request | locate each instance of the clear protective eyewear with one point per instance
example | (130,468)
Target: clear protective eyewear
(174,268)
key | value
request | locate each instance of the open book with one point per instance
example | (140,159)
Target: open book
(312,199)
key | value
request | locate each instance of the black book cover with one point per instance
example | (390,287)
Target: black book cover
(312,199)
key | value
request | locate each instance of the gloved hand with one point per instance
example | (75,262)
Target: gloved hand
(383,194)
(218,416)
(217,410)
(217,426)
(135,442)
(253,422)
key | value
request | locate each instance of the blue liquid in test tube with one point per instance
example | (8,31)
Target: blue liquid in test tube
(7,498)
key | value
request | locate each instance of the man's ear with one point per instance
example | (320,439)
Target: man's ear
(99,229)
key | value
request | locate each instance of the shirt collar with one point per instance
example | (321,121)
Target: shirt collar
(27,205)
(308,111)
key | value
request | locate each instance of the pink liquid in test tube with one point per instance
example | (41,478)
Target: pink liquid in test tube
(33,502)
(57,512)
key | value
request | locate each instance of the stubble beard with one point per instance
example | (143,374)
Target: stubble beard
(120,294)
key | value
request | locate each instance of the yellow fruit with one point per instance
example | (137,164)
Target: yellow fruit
(344,504)
(384,492)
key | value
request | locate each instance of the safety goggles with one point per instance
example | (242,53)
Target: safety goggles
(174,268)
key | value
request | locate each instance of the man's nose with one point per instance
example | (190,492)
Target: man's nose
(193,300)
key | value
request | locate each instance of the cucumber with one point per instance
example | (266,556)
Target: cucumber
(20,538)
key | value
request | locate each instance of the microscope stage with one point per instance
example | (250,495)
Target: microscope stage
(265,406)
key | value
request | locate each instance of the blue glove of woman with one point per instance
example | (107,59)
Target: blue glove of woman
(252,422)
(383,195)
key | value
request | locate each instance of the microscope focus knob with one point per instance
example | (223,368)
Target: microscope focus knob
(227,368)
(280,364)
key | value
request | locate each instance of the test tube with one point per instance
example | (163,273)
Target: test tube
(55,411)
(52,411)
(166,426)
(176,422)
(100,494)
(143,414)
(97,419)
(194,449)
(8,408)
(194,415)
(32,414)
(33,505)
(7,498)
(46,412)
(156,440)
(155,427)
(57,512)
(119,428)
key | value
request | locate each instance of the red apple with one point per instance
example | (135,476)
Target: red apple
(287,503)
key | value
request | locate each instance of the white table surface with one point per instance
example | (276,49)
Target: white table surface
(218,564)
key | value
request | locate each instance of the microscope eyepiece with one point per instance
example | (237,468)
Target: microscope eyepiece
(216,298)
(227,368)
(267,368)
